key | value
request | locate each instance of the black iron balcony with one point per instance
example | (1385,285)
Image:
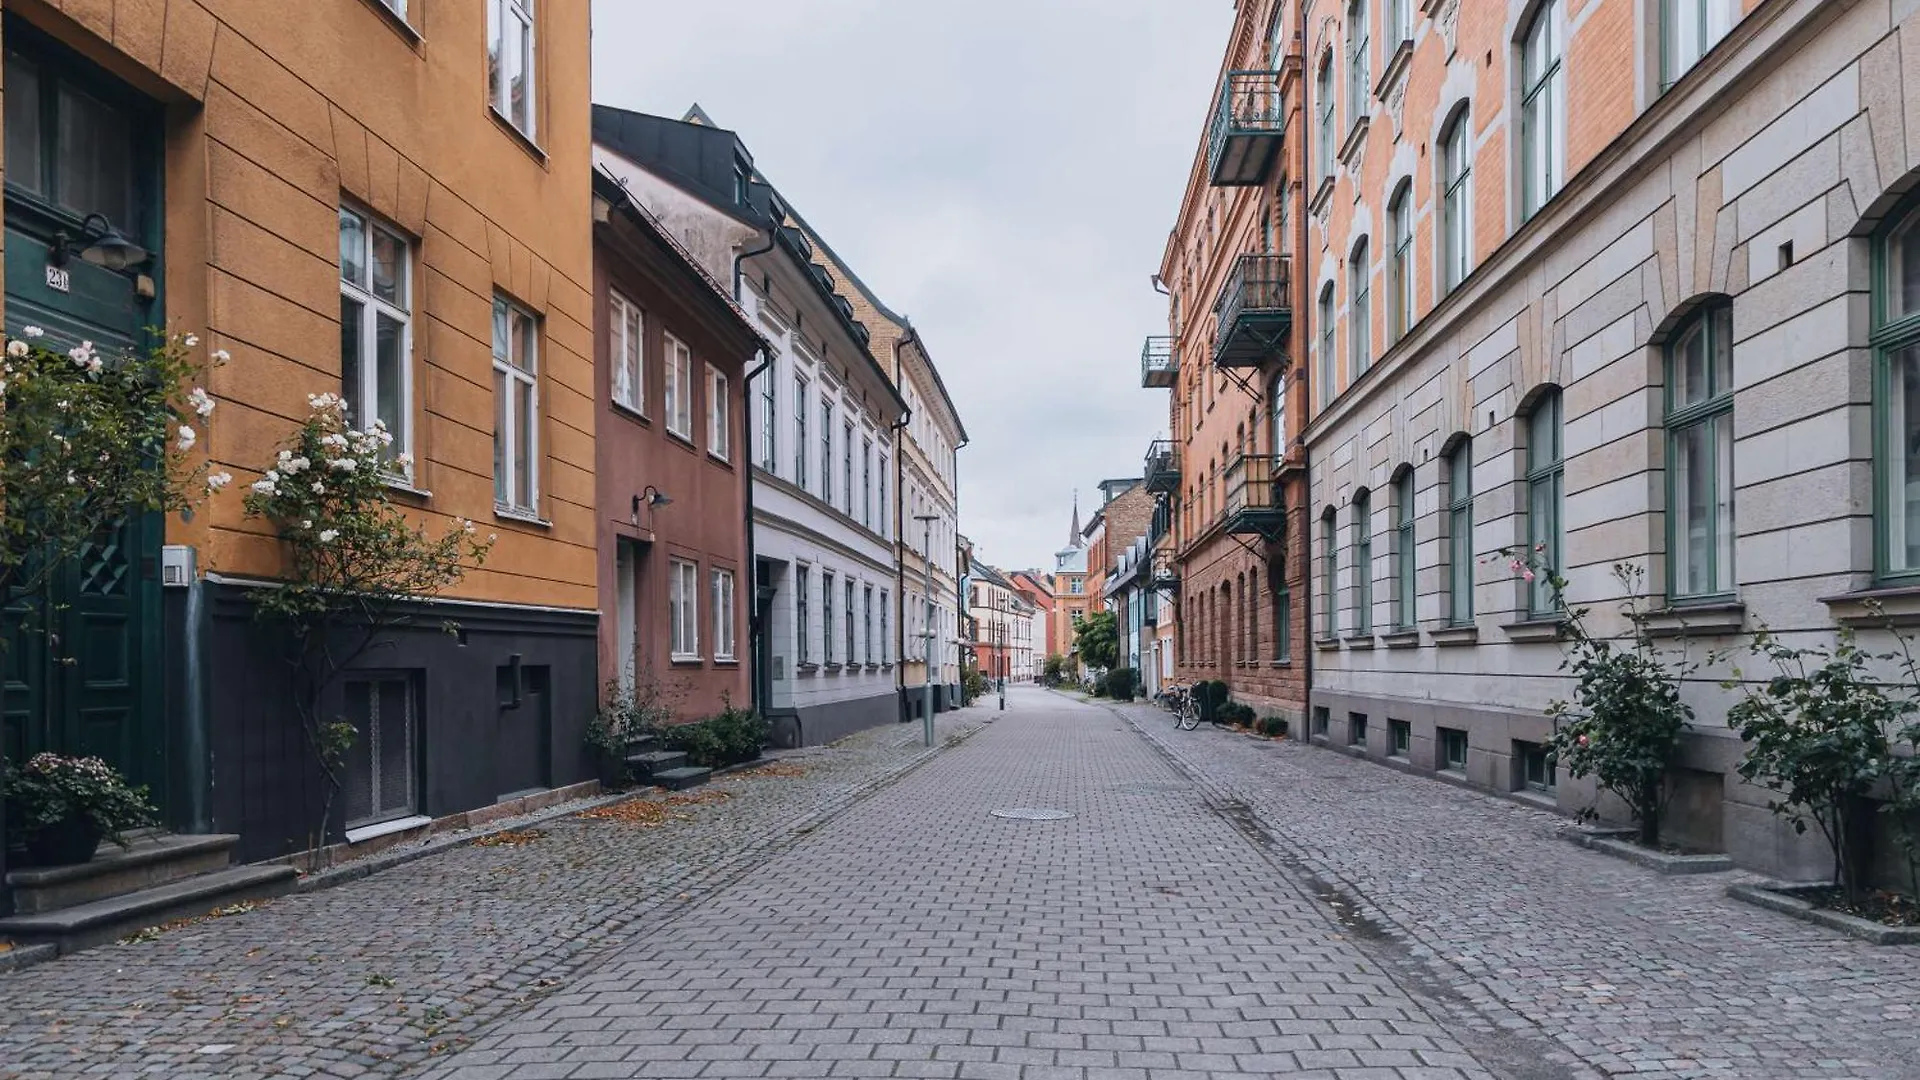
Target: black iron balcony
(1157,369)
(1166,570)
(1163,467)
(1249,126)
(1255,312)
(1254,503)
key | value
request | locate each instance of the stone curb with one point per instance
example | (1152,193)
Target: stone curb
(1659,862)
(1777,896)
(21,957)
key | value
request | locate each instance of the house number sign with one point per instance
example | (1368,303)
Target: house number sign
(59,279)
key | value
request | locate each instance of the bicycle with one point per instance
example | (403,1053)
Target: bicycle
(1180,701)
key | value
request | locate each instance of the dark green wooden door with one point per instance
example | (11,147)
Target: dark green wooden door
(82,667)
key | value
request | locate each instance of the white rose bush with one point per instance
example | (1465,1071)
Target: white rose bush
(357,568)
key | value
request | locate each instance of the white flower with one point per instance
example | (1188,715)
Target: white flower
(286,456)
(192,340)
(334,439)
(61,404)
(266,486)
(82,353)
(71,479)
(216,481)
(386,437)
(184,438)
(221,356)
(378,425)
(492,537)
(466,525)
(201,402)
(292,465)
(16,348)
(405,460)
(94,364)
(319,488)
(341,464)
(327,535)
(32,331)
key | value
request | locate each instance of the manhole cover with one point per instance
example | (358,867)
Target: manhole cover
(1028,813)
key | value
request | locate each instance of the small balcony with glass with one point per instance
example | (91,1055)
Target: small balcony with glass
(1163,467)
(1254,506)
(1157,367)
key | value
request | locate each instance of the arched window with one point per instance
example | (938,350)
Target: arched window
(1240,645)
(1460,533)
(1456,202)
(1700,455)
(1362,562)
(1329,575)
(1323,98)
(1896,342)
(1277,424)
(1400,263)
(1359,63)
(1546,489)
(1359,312)
(1543,104)
(1403,551)
(1326,345)
(1282,618)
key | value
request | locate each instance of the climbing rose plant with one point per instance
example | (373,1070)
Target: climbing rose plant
(356,566)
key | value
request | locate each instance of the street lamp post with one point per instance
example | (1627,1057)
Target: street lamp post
(926,702)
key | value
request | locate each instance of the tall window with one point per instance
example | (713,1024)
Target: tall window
(1329,575)
(1359,62)
(826,613)
(886,639)
(679,393)
(626,351)
(1323,96)
(1896,340)
(769,416)
(826,450)
(884,512)
(1277,417)
(1460,534)
(800,400)
(719,415)
(1456,202)
(1359,312)
(1546,486)
(802,603)
(723,643)
(1688,28)
(866,483)
(1404,586)
(683,609)
(516,410)
(1326,345)
(1543,102)
(1700,455)
(846,465)
(1400,22)
(376,326)
(847,617)
(1363,563)
(1400,265)
(1283,623)
(866,621)
(510,61)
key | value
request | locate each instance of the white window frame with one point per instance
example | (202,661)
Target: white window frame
(724,643)
(719,420)
(683,610)
(498,14)
(516,380)
(1543,108)
(1456,203)
(627,351)
(802,402)
(846,465)
(677,363)
(769,424)
(371,308)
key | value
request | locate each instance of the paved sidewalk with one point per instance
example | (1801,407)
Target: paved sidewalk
(397,968)
(1658,977)
(1145,938)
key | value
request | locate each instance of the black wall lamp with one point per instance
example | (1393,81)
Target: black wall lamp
(654,499)
(100,244)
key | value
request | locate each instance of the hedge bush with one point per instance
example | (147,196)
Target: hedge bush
(1120,684)
(1273,726)
(734,736)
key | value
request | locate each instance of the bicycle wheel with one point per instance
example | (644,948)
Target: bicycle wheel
(1189,716)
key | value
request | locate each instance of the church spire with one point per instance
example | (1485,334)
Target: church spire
(1073,541)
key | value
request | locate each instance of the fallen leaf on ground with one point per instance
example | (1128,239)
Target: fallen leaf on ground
(510,838)
(775,769)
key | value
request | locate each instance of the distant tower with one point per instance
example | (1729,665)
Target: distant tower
(1073,539)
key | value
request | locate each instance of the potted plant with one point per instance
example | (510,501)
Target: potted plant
(61,807)
(627,717)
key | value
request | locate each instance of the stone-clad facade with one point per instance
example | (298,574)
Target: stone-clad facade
(1649,313)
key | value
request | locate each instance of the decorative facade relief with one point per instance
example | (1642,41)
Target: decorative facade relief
(1449,20)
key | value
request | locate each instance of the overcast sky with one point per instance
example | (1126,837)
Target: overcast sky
(1003,172)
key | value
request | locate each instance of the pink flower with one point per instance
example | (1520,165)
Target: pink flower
(1583,740)
(1528,574)
(1516,566)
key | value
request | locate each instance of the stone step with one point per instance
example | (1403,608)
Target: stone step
(652,763)
(680,779)
(643,744)
(147,861)
(102,921)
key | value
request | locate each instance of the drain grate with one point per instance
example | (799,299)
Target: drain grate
(1028,813)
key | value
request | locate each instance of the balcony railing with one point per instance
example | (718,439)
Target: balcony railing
(1166,570)
(1157,368)
(1255,311)
(1249,126)
(1163,467)
(1255,505)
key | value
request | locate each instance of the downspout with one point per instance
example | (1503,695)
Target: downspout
(754,628)
(899,559)
(1306,464)
(959,590)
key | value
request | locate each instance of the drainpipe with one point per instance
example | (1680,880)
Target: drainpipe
(899,561)
(1294,283)
(754,628)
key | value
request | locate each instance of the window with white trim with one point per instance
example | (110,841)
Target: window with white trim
(1543,103)
(719,426)
(1688,29)
(510,62)
(376,327)
(516,409)
(626,352)
(802,610)
(723,641)
(826,613)
(866,483)
(769,418)
(848,616)
(826,451)
(679,392)
(1456,203)
(866,621)
(886,639)
(800,431)
(683,609)
(846,465)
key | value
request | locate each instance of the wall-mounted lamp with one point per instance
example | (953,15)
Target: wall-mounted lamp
(100,244)
(654,499)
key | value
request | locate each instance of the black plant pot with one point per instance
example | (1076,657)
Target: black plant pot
(67,842)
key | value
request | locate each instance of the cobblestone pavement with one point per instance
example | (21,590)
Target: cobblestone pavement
(392,970)
(1148,937)
(1658,977)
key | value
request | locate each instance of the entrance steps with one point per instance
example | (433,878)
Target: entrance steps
(665,768)
(158,877)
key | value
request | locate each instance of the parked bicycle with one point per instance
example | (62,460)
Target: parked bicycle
(1178,699)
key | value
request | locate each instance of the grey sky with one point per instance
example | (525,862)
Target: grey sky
(1004,172)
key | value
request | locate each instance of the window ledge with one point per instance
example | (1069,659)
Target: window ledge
(806,668)
(1362,640)
(1396,64)
(386,828)
(726,661)
(722,459)
(506,513)
(684,438)
(1880,606)
(399,485)
(1456,635)
(1356,138)
(1531,630)
(1279,665)
(1326,644)
(399,26)
(1546,800)
(637,415)
(1401,639)
(1687,620)
(833,667)
(685,661)
(513,132)
(1321,196)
